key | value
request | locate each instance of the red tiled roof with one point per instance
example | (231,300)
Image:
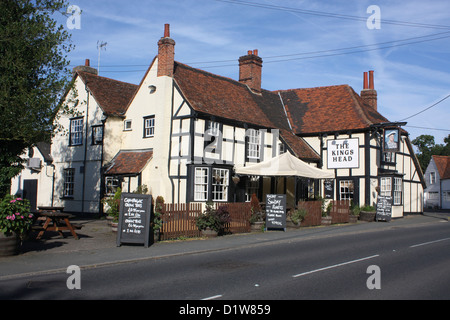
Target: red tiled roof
(222,97)
(328,109)
(443,166)
(112,95)
(129,162)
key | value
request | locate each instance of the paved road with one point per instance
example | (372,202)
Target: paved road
(413,263)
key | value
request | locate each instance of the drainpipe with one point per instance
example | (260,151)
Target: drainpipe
(85,149)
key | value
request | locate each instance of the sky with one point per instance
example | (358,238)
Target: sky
(303,44)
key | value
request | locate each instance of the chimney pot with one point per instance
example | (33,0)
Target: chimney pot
(249,52)
(255,52)
(87,63)
(366,81)
(371,81)
(167,30)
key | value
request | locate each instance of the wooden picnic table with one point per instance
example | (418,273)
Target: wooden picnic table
(56,221)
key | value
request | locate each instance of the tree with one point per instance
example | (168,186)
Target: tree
(427,148)
(33,76)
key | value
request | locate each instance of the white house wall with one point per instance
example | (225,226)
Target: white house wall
(73,157)
(43,176)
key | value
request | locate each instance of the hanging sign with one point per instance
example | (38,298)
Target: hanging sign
(276,211)
(343,154)
(134,219)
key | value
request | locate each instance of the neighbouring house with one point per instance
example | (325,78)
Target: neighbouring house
(89,137)
(35,182)
(437,177)
(183,132)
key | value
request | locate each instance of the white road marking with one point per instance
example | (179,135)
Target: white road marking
(212,298)
(334,266)
(425,243)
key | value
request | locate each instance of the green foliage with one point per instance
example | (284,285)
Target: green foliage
(33,77)
(15,216)
(298,215)
(427,148)
(214,219)
(368,208)
(158,213)
(114,204)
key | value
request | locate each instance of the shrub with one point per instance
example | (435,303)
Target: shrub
(15,216)
(214,219)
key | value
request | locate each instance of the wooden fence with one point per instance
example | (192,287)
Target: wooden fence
(179,219)
(314,213)
(340,212)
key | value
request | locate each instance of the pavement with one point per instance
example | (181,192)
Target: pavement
(97,247)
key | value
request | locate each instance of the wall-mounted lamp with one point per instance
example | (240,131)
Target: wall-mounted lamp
(152,89)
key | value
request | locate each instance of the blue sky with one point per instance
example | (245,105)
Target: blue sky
(303,44)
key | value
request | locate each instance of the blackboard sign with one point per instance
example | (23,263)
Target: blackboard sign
(276,211)
(384,208)
(328,185)
(134,219)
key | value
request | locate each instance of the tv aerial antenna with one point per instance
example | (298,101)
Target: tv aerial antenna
(100,45)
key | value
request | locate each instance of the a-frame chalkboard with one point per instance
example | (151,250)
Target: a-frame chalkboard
(134,219)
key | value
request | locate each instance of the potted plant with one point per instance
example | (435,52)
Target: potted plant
(367,213)
(354,213)
(326,218)
(212,222)
(297,216)
(15,223)
(157,217)
(257,219)
(113,209)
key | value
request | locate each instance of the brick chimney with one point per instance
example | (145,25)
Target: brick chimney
(166,54)
(250,69)
(369,94)
(86,68)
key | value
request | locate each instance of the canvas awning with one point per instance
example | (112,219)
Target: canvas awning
(285,165)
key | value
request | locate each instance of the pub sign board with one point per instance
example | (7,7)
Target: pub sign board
(134,219)
(275,211)
(343,154)
(384,208)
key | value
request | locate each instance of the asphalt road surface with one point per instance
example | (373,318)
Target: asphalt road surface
(395,263)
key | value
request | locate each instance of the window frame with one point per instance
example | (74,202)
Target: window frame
(69,183)
(392,186)
(221,188)
(253,146)
(149,130)
(125,123)
(201,187)
(76,137)
(96,142)
(351,192)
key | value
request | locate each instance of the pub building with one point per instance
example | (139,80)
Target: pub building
(185,133)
